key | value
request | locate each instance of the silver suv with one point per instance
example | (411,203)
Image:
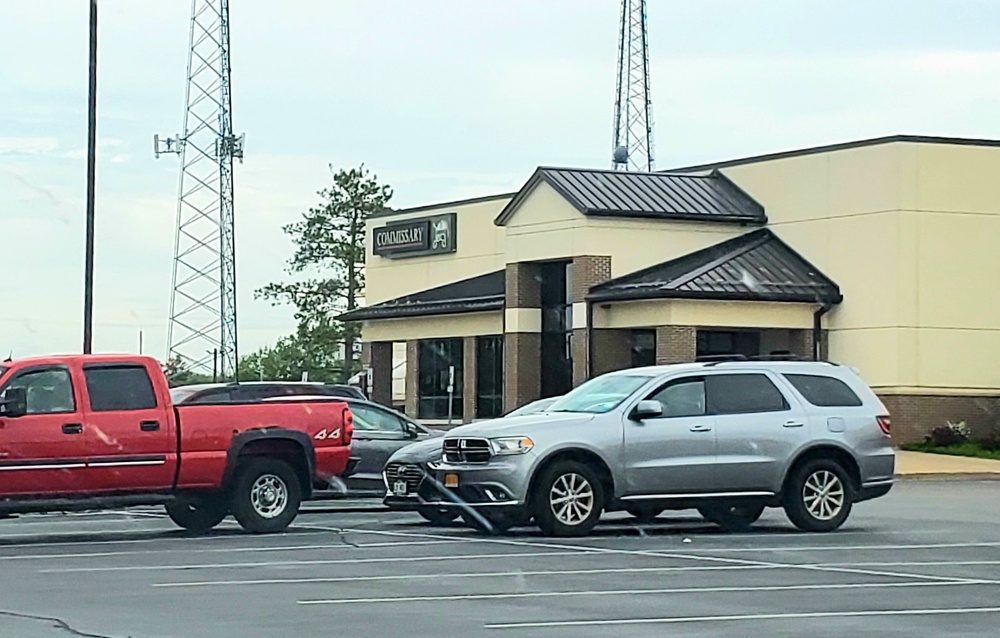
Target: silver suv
(727,438)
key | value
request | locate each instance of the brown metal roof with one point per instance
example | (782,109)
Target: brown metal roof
(476,294)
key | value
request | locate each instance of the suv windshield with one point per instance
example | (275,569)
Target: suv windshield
(600,395)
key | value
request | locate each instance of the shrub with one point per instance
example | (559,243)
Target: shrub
(948,434)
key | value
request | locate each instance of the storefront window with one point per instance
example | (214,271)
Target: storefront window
(436,358)
(489,377)
(718,342)
(557,328)
(643,348)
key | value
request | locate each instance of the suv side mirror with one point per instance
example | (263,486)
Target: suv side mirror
(14,403)
(647,410)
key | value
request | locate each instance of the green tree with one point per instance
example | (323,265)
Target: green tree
(328,262)
(178,373)
(288,359)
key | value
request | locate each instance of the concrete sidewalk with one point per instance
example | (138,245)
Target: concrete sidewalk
(922,465)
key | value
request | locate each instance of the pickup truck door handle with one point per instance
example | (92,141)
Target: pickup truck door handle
(72,428)
(793,424)
(701,428)
(149,426)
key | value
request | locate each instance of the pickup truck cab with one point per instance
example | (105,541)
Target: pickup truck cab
(100,431)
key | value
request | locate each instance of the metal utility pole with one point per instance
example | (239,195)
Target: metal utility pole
(88,268)
(203,289)
(633,135)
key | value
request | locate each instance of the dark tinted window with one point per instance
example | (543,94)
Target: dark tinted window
(49,391)
(489,377)
(435,359)
(643,348)
(341,391)
(119,388)
(685,397)
(743,394)
(825,392)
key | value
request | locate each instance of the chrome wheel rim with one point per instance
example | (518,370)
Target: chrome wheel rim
(823,494)
(571,499)
(269,495)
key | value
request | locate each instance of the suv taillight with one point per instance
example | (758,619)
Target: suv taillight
(885,424)
(348,425)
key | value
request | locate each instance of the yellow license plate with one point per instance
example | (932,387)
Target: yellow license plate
(451,480)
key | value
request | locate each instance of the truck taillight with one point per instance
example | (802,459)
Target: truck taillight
(348,425)
(886,424)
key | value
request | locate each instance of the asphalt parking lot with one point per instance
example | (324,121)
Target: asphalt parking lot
(924,561)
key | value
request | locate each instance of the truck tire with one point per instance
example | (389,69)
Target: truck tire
(568,499)
(731,517)
(197,514)
(818,495)
(266,495)
(437,515)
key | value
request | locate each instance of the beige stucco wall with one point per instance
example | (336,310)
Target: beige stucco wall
(443,326)
(479,250)
(716,314)
(909,233)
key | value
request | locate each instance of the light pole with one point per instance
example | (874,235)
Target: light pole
(88,270)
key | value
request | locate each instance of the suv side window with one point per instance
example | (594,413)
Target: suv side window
(49,390)
(743,394)
(682,397)
(824,392)
(373,419)
(119,387)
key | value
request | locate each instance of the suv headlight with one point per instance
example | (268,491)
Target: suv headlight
(511,445)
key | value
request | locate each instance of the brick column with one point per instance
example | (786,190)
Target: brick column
(801,343)
(380,390)
(469,379)
(612,350)
(588,271)
(412,362)
(676,344)
(522,346)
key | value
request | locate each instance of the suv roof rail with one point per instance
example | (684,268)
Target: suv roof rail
(713,359)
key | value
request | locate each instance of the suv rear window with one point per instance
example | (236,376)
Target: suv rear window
(743,394)
(824,392)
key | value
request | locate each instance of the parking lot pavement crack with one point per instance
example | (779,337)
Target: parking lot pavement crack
(57,623)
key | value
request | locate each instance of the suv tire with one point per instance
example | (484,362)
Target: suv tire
(818,496)
(266,495)
(644,513)
(437,515)
(732,517)
(583,492)
(197,514)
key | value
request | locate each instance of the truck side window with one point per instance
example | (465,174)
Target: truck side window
(119,387)
(50,390)
(684,397)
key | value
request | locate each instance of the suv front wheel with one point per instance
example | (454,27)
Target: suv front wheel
(568,499)
(819,496)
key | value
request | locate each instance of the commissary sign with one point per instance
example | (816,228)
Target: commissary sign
(414,237)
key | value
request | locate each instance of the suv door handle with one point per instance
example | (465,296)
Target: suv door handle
(793,424)
(701,428)
(149,426)
(72,428)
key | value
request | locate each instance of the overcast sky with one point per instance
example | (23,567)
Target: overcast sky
(443,99)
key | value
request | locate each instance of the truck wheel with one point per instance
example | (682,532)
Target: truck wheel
(819,496)
(197,514)
(644,513)
(568,499)
(266,495)
(437,515)
(732,518)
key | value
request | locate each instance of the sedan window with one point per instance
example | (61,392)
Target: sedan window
(367,417)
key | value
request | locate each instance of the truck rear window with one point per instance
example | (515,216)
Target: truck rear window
(824,392)
(119,387)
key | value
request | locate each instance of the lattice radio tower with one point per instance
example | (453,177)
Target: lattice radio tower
(633,145)
(202,329)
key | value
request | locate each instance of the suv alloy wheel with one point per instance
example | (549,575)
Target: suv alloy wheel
(819,495)
(568,499)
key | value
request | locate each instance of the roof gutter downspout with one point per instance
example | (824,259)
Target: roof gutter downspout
(590,339)
(818,329)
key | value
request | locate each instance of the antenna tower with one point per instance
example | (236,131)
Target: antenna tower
(202,328)
(633,136)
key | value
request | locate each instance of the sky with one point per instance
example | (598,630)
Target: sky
(441,99)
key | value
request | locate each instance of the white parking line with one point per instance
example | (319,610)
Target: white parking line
(448,575)
(848,548)
(634,592)
(297,563)
(337,545)
(745,617)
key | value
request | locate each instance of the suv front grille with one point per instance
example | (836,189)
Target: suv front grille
(467,451)
(412,474)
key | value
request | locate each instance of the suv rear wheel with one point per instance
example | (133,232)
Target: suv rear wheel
(266,495)
(568,499)
(732,517)
(437,515)
(197,514)
(819,496)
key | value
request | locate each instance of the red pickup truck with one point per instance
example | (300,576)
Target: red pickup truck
(99,431)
